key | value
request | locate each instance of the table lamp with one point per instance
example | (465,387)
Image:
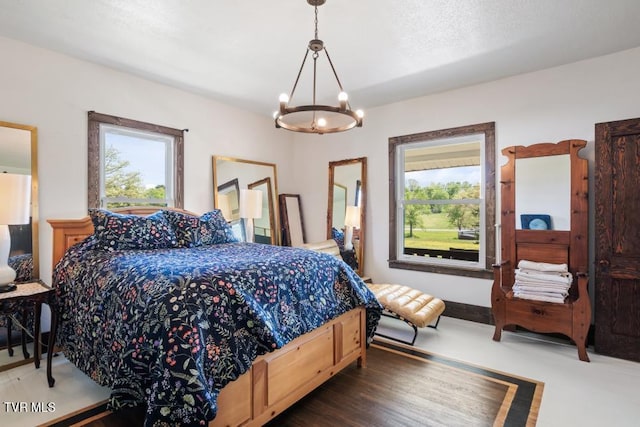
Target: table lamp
(351,221)
(250,209)
(15,200)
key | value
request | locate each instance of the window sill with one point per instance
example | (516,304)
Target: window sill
(440,269)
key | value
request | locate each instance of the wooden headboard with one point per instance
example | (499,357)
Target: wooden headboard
(68,232)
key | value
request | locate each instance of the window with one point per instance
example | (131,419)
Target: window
(133,163)
(442,201)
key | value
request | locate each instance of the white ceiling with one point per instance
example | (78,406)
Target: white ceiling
(246,53)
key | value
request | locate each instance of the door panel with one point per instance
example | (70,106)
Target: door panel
(617,228)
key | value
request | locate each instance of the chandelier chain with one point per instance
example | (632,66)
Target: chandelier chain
(316,21)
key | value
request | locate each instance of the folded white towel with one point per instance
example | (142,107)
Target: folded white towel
(543,266)
(542,285)
(541,273)
(536,297)
(544,279)
(541,290)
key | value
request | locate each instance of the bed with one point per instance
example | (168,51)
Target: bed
(206,329)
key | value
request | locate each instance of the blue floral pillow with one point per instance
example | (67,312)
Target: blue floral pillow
(209,229)
(185,227)
(214,229)
(116,231)
(338,236)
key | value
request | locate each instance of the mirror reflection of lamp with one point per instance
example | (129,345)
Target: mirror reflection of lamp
(224,205)
(15,199)
(250,209)
(351,221)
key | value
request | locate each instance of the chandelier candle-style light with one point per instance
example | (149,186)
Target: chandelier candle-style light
(316,118)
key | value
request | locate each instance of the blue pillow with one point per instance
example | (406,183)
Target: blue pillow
(185,227)
(338,236)
(208,229)
(116,231)
(214,229)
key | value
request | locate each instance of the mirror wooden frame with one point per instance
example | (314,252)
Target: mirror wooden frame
(35,249)
(275,217)
(94,157)
(269,190)
(361,192)
(571,247)
(292,222)
(230,188)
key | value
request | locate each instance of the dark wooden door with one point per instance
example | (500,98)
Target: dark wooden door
(617,228)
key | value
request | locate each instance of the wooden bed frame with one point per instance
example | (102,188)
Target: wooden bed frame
(276,380)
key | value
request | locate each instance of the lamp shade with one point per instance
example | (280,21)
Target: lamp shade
(352,216)
(15,198)
(250,203)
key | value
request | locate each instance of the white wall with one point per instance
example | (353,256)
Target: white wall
(54,93)
(545,106)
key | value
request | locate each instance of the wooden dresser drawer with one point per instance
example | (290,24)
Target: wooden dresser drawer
(540,316)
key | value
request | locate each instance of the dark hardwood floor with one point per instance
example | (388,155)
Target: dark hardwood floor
(401,386)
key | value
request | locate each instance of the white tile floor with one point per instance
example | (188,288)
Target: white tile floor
(605,392)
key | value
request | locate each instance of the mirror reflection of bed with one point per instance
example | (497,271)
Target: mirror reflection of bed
(230,175)
(346,209)
(18,155)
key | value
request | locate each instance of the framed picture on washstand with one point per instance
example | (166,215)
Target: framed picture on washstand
(536,222)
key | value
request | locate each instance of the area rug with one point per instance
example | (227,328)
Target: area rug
(401,386)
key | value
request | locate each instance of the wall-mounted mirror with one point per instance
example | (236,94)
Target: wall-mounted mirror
(19,155)
(347,208)
(230,175)
(543,192)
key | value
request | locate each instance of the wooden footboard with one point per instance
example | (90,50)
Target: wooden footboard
(276,380)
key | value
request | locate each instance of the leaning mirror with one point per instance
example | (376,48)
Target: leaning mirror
(292,223)
(230,175)
(347,208)
(19,155)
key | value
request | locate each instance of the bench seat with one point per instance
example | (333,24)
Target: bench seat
(410,305)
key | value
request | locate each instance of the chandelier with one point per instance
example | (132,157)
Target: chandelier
(316,118)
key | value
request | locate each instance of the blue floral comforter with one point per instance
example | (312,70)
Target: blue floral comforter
(168,328)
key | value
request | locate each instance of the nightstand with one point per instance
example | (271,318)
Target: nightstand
(18,301)
(349,256)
